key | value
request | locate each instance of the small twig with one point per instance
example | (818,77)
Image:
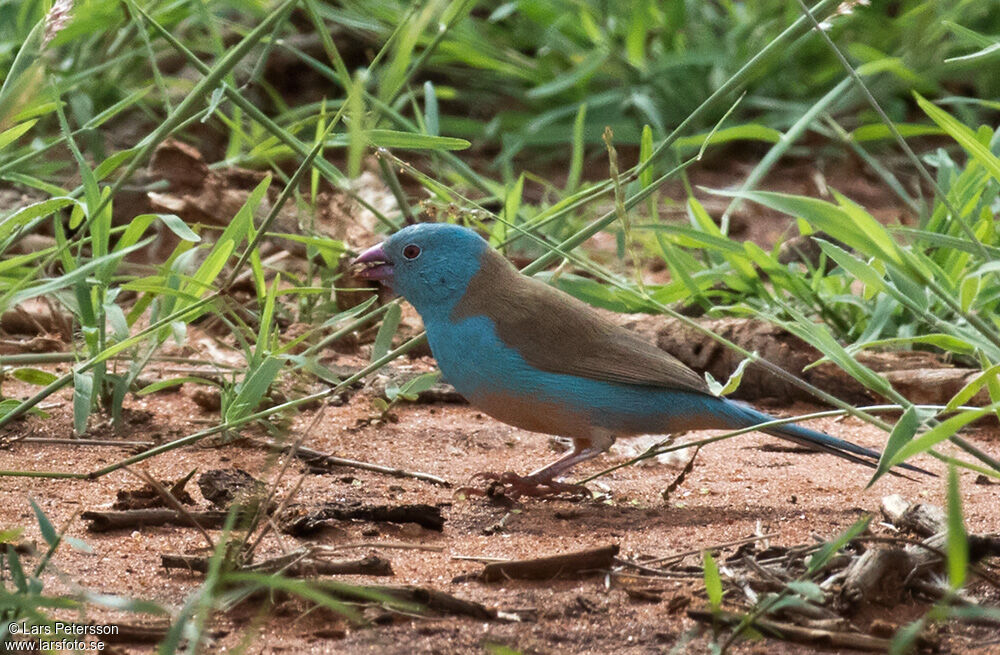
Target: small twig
(477,558)
(698,551)
(138,518)
(171,500)
(427,516)
(660,575)
(377,544)
(320,459)
(87,442)
(420,597)
(293,449)
(546,568)
(796,633)
(297,565)
(679,480)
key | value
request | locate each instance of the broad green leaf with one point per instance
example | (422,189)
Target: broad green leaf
(160,385)
(748,132)
(879,131)
(857,229)
(419,384)
(905,640)
(940,432)
(942,341)
(594,293)
(579,150)
(432,118)
(577,74)
(7,137)
(399,140)
(355,119)
(383,340)
(902,433)
(962,134)
(83,395)
(831,548)
(413,141)
(735,378)
(16,571)
(972,388)
(34,376)
(645,154)
(968,289)
(112,163)
(807,589)
(958,541)
(991,51)
(267,319)
(177,225)
(713,583)
(45,526)
(27,214)
(253,388)
(74,276)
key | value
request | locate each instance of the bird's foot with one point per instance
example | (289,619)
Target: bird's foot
(514,486)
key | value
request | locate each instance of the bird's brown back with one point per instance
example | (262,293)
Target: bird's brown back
(557,333)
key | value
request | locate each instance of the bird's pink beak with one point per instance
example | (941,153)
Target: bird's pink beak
(374,264)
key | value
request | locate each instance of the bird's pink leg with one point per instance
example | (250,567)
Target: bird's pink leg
(543,482)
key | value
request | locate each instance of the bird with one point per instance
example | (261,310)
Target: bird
(535,357)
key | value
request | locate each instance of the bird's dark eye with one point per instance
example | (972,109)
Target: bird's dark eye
(411,251)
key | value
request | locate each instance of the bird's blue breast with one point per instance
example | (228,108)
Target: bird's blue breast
(495,377)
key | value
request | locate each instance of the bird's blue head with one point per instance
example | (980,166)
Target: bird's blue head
(429,264)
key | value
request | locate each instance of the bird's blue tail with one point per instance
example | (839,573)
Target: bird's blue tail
(817,440)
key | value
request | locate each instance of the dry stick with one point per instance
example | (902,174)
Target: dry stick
(106,521)
(311,456)
(699,551)
(427,516)
(544,568)
(656,573)
(274,487)
(295,565)
(379,544)
(171,500)
(477,558)
(974,567)
(84,442)
(792,632)
(679,480)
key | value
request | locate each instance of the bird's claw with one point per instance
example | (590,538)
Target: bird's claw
(514,486)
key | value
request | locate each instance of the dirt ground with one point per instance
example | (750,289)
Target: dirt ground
(736,489)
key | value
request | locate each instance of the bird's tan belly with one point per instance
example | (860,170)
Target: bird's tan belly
(534,415)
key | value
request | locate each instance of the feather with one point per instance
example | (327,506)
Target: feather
(555,332)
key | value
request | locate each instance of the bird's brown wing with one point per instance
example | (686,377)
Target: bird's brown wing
(558,333)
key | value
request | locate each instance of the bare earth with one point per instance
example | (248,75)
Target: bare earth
(734,490)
